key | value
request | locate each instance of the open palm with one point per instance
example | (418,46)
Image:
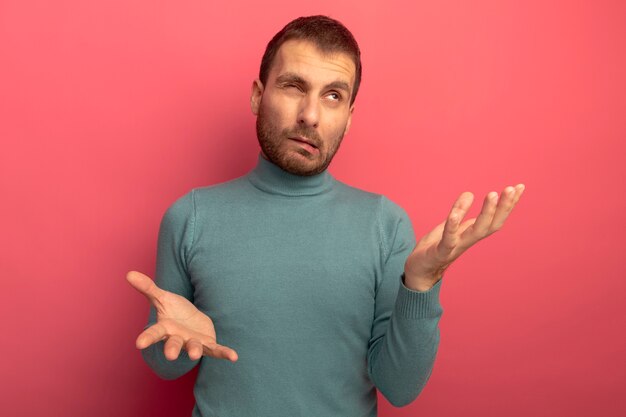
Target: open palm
(179,323)
(446,242)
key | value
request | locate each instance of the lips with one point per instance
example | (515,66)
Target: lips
(307,144)
(304,140)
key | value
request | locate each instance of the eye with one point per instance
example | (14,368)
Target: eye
(291,86)
(334,96)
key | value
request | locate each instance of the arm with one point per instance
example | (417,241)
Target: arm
(174,242)
(405,334)
(403,350)
(177,334)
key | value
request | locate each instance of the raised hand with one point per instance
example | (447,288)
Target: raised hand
(445,243)
(179,323)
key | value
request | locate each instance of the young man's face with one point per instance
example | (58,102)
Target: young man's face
(303,110)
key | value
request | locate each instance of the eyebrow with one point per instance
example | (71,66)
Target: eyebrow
(295,78)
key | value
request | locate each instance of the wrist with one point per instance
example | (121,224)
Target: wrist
(419,283)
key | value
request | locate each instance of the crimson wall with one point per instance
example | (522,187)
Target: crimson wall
(110,110)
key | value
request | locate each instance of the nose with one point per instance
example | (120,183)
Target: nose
(309,114)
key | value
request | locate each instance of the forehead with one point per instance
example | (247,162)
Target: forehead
(307,60)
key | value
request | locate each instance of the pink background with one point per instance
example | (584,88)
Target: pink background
(110,110)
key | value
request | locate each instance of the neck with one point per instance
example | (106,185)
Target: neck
(270,178)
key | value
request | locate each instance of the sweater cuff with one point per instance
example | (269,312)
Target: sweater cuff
(419,304)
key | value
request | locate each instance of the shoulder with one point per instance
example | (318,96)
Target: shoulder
(394,228)
(200,198)
(382,205)
(216,192)
(200,202)
(391,220)
(350,194)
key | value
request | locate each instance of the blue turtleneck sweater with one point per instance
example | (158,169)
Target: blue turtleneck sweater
(302,277)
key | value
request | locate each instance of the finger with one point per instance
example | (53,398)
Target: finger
(194,349)
(480,228)
(172,347)
(434,235)
(505,205)
(220,352)
(145,285)
(151,335)
(462,205)
(467,224)
(519,190)
(460,208)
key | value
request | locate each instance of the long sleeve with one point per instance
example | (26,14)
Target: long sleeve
(176,235)
(405,334)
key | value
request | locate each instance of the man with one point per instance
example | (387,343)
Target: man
(317,291)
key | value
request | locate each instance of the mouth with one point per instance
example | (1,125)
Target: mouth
(306,144)
(304,140)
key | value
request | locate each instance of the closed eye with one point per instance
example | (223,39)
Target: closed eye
(292,86)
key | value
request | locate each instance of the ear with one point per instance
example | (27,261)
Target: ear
(255,96)
(349,120)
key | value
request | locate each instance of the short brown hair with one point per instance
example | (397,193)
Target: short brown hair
(328,34)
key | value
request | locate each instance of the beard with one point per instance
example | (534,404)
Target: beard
(272,141)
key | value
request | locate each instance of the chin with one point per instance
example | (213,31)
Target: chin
(295,165)
(294,161)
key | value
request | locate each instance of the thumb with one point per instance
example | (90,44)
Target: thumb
(145,285)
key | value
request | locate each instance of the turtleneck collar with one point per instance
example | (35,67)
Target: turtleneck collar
(274,180)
